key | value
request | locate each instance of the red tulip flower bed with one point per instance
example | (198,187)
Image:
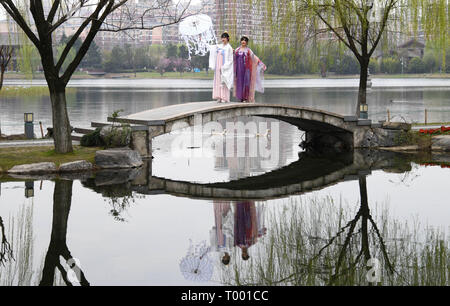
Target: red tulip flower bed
(439,131)
(442,165)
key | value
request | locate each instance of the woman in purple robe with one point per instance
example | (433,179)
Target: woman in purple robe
(245,226)
(248,73)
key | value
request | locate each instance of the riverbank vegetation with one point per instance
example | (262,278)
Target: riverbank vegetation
(410,138)
(202,75)
(29,91)
(172,61)
(10,157)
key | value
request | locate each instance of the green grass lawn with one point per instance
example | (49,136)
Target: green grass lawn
(10,157)
(30,91)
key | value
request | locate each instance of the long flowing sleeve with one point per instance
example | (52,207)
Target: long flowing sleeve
(258,70)
(228,67)
(259,81)
(212,56)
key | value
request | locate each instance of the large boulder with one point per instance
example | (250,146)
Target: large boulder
(118,158)
(440,143)
(403,126)
(37,168)
(76,166)
(379,137)
(108,177)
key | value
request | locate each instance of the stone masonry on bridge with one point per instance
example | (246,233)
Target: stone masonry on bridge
(322,127)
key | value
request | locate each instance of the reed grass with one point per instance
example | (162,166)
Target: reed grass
(304,243)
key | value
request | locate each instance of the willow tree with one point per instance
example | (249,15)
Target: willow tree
(40,20)
(360,25)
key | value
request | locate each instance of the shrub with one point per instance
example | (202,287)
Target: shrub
(407,138)
(92,139)
(116,136)
(390,65)
(373,66)
(416,65)
(347,65)
(430,63)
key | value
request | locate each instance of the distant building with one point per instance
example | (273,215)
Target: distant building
(242,18)
(136,37)
(410,49)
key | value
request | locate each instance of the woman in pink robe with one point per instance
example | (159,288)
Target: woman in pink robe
(221,61)
(248,73)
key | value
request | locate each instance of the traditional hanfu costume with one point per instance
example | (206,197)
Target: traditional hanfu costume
(245,224)
(221,235)
(248,74)
(221,61)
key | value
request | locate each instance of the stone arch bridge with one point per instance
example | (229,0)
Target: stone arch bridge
(321,126)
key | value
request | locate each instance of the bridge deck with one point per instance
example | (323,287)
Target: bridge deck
(160,115)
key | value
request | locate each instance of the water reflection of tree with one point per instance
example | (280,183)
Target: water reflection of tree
(62,200)
(120,204)
(6,252)
(366,219)
(119,196)
(18,269)
(324,243)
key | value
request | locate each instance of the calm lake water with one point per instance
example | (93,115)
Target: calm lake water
(95,99)
(172,221)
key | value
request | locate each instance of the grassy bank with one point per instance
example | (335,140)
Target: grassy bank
(10,157)
(203,76)
(446,123)
(29,91)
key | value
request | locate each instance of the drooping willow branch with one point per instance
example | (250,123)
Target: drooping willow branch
(6,253)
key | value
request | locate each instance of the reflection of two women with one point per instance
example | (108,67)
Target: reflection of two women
(241,68)
(236,225)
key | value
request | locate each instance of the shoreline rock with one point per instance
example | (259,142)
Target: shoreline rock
(76,166)
(440,143)
(36,168)
(118,158)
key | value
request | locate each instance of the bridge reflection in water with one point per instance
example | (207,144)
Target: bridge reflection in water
(307,174)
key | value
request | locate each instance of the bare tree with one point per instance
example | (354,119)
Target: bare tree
(47,16)
(5,57)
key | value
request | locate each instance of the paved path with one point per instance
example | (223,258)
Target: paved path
(161,114)
(29,143)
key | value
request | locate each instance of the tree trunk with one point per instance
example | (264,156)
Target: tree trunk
(2,74)
(365,214)
(362,92)
(61,126)
(62,200)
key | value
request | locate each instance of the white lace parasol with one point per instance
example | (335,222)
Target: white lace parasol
(197,264)
(197,32)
